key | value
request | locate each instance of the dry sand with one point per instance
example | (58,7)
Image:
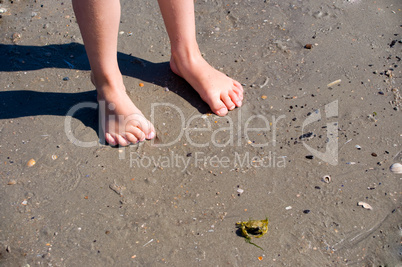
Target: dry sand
(172,202)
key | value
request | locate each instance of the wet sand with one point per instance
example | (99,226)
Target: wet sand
(175,201)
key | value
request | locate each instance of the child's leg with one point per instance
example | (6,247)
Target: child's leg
(219,91)
(99,22)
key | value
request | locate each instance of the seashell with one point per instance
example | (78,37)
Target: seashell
(31,162)
(326,179)
(396,168)
(334,83)
(54,157)
(12,182)
(240,191)
(118,189)
(365,205)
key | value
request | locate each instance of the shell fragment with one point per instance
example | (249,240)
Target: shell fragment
(365,205)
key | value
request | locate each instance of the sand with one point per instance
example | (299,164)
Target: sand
(175,201)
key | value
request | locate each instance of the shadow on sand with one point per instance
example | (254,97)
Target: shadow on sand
(15,104)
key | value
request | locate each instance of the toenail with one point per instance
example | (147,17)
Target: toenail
(151,135)
(222,112)
(239,103)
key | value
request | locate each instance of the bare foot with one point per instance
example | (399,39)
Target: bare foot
(220,92)
(122,122)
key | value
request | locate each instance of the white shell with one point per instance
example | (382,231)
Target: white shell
(326,179)
(396,168)
(365,205)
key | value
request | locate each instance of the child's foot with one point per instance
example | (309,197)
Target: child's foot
(122,122)
(220,92)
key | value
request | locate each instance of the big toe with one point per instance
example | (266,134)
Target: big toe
(152,133)
(145,126)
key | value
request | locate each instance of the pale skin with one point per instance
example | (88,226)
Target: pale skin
(122,122)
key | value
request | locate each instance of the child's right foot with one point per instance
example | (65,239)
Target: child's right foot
(121,121)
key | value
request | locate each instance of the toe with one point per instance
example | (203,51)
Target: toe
(110,139)
(121,140)
(131,138)
(238,85)
(152,133)
(228,102)
(221,112)
(216,105)
(137,132)
(235,98)
(238,92)
(145,126)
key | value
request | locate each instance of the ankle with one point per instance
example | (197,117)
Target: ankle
(107,83)
(106,78)
(188,53)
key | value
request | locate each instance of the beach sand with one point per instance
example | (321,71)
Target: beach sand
(175,201)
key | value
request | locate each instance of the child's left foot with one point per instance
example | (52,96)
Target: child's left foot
(220,92)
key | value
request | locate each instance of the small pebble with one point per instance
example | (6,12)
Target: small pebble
(358,147)
(306,135)
(308,46)
(12,182)
(309,157)
(306,211)
(66,79)
(374,154)
(15,37)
